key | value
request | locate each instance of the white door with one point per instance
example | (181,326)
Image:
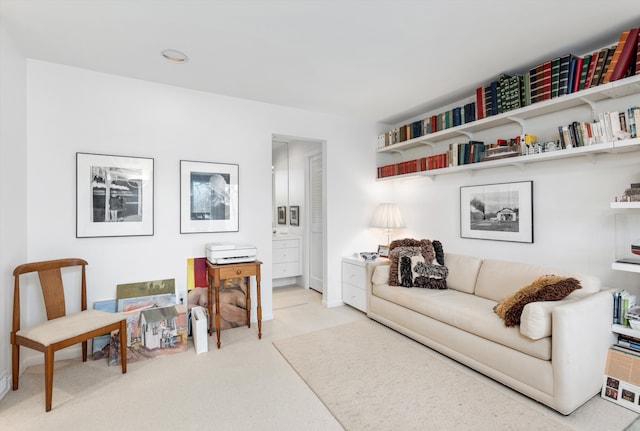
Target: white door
(316,256)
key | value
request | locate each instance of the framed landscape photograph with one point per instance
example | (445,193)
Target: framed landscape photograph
(208,197)
(282,215)
(500,212)
(114,195)
(294,214)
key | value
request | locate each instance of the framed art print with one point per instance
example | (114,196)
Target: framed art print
(114,195)
(501,212)
(294,215)
(208,197)
(282,215)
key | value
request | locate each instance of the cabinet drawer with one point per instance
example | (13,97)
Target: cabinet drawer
(354,296)
(286,243)
(283,255)
(238,271)
(281,270)
(353,274)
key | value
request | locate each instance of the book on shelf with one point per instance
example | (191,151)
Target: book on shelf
(622,301)
(576,74)
(626,55)
(592,66)
(563,77)
(613,61)
(597,71)
(586,63)
(480,103)
(637,72)
(555,77)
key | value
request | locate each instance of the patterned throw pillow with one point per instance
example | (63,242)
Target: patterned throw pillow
(545,288)
(412,264)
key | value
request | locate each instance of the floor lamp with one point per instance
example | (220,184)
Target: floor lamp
(388,217)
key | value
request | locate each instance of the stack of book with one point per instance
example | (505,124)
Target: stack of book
(402,168)
(622,301)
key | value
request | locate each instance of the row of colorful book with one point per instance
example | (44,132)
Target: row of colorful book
(610,126)
(552,78)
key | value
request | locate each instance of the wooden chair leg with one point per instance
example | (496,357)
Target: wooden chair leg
(123,346)
(84,351)
(48,377)
(15,365)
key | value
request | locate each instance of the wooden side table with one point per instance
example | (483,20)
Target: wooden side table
(218,272)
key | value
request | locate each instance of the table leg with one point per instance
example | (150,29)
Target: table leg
(210,303)
(248,284)
(216,290)
(259,302)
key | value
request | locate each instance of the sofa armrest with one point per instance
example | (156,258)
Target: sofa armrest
(581,336)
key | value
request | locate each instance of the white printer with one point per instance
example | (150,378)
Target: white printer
(226,252)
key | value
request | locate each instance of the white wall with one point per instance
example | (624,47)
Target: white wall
(13,186)
(73,110)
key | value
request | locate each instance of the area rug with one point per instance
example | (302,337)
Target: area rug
(371,378)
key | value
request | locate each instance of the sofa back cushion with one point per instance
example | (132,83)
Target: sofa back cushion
(498,279)
(463,271)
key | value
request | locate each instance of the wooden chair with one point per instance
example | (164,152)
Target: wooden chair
(60,330)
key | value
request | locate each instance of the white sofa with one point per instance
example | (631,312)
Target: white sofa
(555,356)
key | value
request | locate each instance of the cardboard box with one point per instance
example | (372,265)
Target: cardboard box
(199,326)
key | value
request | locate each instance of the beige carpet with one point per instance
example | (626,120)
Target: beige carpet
(372,378)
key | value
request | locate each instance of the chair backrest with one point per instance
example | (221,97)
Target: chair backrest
(50,275)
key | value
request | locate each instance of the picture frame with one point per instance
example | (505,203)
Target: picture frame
(499,212)
(383,250)
(114,195)
(209,197)
(294,215)
(282,215)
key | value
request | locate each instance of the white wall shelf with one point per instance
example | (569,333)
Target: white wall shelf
(589,97)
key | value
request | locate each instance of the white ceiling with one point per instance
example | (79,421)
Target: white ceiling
(377,60)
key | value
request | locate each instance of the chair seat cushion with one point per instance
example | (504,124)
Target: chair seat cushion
(62,328)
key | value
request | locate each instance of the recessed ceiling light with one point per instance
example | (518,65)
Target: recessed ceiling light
(174,56)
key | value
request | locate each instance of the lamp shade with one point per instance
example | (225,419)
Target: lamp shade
(387,216)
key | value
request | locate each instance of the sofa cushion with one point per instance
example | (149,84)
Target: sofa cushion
(535,322)
(498,279)
(469,313)
(463,271)
(545,288)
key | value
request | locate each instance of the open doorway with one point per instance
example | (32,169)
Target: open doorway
(298,192)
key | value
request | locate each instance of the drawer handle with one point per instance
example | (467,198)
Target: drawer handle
(238,271)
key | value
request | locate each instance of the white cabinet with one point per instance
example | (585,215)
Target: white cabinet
(627,233)
(356,276)
(287,257)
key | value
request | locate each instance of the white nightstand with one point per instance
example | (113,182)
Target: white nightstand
(354,281)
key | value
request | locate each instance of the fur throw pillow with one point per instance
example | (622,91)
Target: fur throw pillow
(412,264)
(545,288)
(430,276)
(406,248)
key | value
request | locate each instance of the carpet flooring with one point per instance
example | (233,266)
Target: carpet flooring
(372,378)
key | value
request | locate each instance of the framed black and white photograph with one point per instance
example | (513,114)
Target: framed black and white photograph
(294,215)
(208,197)
(114,195)
(282,215)
(501,212)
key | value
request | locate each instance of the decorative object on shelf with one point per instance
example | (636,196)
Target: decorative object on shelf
(632,194)
(387,216)
(282,215)
(501,212)
(368,255)
(114,195)
(383,250)
(294,215)
(208,197)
